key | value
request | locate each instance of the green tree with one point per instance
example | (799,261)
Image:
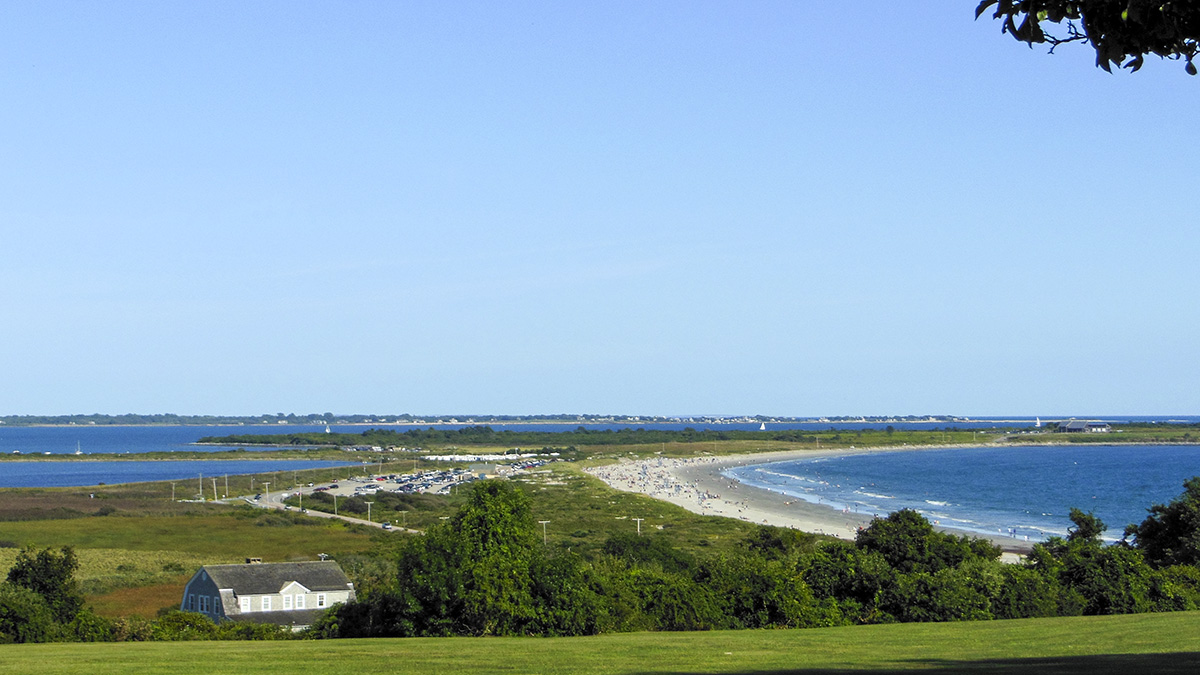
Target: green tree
(25,616)
(1088,528)
(471,575)
(1098,579)
(1122,32)
(1170,535)
(50,574)
(909,543)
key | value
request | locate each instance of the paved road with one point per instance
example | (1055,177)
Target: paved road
(274,500)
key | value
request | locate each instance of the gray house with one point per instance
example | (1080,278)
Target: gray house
(1083,426)
(285,594)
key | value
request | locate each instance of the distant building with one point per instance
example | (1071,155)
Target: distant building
(285,594)
(1083,426)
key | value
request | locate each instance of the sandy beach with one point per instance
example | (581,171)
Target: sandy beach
(697,485)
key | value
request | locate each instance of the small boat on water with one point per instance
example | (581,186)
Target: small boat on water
(78,450)
(762,427)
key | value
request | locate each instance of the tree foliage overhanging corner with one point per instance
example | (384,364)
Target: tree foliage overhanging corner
(1122,32)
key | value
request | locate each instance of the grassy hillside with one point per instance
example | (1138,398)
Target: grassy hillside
(1158,643)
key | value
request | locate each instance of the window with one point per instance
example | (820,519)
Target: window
(216,607)
(244,604)
(204,603)
(320,600)
(300,601)
(266,603)
(287,601)
(191,603)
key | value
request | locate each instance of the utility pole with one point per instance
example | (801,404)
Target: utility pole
(369,511)
(215,497)
(543,522)
(335,504)
(639,524)
(172,491)
(226,485)
(200,482)
(267,492)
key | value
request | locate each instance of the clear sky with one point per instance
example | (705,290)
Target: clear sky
(787,208)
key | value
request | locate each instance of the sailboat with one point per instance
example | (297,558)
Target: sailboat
(78,450)
(1038,424)
(762,427)
(327,429)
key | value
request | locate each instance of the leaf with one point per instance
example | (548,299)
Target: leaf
(983,7)
(1190,68)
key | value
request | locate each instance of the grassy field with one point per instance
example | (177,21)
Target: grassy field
(1146,643)
(158,553)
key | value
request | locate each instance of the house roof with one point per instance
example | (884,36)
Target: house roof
(265,578)
(295,617)
(1082,424)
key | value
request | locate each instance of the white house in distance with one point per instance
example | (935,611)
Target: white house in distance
(1074,426)
(285,594)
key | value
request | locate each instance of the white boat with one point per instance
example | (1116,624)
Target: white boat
(762,427)
(78,450)
(327,429)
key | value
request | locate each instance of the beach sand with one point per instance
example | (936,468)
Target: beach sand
(697,485)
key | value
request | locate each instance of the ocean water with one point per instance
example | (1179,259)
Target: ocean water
(1026,491)
(133,440)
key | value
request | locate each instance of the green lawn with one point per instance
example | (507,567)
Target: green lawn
(1147,643)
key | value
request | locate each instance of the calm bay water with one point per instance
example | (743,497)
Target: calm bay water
(992,489)
(133,440)
(85,473)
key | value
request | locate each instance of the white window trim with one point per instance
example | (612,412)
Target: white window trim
(300,601)
(320,600)
(266,603)
(245,604)
(287,602)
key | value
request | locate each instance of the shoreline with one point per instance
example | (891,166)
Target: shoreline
(697,484)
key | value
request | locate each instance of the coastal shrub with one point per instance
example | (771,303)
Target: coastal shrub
(230,630)
(752,591)
(178,625)
(909,543)
(1026,593)
(50,574)
(842,571)
(565,598)
(638,550)
(25,616)
(129,629)
(779,542)
(88,627)
(673,602)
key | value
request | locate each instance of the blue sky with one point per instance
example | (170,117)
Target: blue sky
(784,208)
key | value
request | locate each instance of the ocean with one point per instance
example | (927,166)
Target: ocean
(89,473)
(1023,491)
(133,440)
